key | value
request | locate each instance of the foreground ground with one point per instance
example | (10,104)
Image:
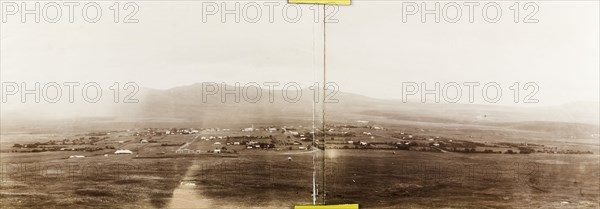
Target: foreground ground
(185,171)
(375,179)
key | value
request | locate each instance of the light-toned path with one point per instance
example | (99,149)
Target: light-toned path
(187,195)
(187,144)
(300,153)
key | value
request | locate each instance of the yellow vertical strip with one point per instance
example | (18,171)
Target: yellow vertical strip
(347,206)
(328,2)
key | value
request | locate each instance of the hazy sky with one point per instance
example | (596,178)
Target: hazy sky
(371,51)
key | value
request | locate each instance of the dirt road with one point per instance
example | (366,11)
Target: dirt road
(187,195)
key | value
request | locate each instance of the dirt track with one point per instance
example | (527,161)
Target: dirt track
(187,195)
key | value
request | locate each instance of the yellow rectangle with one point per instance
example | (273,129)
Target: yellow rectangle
(347,206)
(328,2)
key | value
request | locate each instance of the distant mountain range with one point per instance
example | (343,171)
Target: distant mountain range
(184,106)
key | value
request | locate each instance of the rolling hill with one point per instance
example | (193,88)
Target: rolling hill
(185,106)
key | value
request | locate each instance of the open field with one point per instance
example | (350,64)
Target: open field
(91,183)
(377,166)
(380,179)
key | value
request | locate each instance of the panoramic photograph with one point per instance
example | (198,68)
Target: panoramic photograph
(299,104)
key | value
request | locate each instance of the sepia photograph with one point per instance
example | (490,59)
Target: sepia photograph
(299,104)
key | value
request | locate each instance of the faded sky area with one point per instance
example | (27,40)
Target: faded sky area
(370,51)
